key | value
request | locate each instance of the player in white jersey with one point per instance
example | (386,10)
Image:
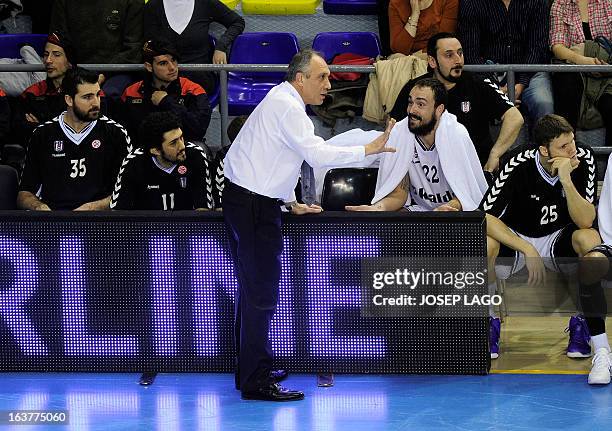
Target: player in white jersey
(428,185)
(441,155)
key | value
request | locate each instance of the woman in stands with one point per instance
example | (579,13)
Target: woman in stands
(577,32)
(413,22)
(185,23)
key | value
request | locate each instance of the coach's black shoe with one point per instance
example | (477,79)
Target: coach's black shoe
(275,377)
(274,392)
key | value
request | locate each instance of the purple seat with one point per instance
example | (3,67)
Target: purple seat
(350,7)
(10,44)
(246,89)
(334,43)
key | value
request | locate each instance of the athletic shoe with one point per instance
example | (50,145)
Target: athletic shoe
(494,331)
(579,338)
(601,368)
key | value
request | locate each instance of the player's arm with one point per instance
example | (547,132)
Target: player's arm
(498,230)
(99,205)
(581,211)
(28,201)
(392,202)
(512,121)
(453,205)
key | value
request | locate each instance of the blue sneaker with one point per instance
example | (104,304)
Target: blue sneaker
(579,338)
(494,331)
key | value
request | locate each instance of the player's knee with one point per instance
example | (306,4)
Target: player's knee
(583,240)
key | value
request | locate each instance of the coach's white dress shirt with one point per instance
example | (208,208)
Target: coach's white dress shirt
(267,154)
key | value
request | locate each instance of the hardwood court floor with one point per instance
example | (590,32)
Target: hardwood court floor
(537,344)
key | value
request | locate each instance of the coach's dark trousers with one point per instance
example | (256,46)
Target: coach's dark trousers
(253,224)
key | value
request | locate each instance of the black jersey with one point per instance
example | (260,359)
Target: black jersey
(67,169)
(531,202)
(144,185)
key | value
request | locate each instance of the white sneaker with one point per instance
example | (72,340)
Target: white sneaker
(602,367)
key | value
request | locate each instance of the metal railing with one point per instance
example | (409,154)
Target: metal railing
(223,69)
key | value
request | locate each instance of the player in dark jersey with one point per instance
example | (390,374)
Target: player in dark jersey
(165,173)
(73,160)
(541,205)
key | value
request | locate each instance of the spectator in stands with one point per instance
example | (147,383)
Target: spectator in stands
(165,173)
(72,163)
(412,23)
(163,90)
(185,23)
(436,167)
(107,31)
(511,32)
(574,25)
(262,167)
(542,206)
(44,100)
(474,100)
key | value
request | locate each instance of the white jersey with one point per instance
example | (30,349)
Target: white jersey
(428,186)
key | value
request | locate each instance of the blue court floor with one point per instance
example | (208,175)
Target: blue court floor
(356,402)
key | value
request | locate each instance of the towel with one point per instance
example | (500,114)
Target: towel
(458,159)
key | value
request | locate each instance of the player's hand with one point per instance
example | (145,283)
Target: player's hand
(378,145)
(301,209)
(376,207)
(158,96)
(535,267)
(445,208)
(101,79)
(492,164)
(42,207)
(563,166)
(31,118)
(518,92)
(88,206)
(219,57)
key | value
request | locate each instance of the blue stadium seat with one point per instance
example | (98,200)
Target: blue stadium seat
(334,43)
(11,43)
(246,89)
(349,7)
(348,186)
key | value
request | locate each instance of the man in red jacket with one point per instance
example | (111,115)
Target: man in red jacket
(163,90)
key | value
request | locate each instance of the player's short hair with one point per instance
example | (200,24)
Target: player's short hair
(76,76)
(438,89)
(234,127)
(301,63)
(432,43)
(156,47)
(154,126)
(550,127)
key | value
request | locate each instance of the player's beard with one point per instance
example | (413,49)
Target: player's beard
(423,129)
(450,77)
(180,157)
(86,116)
